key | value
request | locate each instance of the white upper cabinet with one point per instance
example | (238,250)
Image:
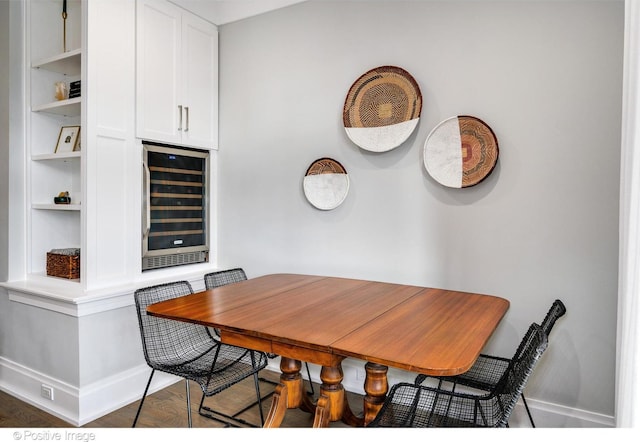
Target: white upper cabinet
(199,83)
(177,76)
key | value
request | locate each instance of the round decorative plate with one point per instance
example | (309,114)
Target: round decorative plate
(461,151)
(326,184)
(382,108)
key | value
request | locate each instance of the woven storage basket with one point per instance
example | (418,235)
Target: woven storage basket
(63,266)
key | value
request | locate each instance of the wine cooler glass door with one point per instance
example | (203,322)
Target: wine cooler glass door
(175,228)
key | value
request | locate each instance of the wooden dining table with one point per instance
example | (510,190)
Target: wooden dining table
(324,320)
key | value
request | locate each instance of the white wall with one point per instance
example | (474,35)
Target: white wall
(546,76)
(4,138)
(627,386)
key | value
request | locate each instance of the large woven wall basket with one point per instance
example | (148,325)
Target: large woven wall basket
(382,109)
(461,152)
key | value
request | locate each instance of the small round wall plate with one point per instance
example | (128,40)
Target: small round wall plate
(326,184)
(382,108)
(460,152)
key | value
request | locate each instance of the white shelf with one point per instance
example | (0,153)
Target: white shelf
(52,282)
(61,207)
(68,63)
(69,108)
(56,156)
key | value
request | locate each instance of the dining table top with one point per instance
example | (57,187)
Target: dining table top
(321,318)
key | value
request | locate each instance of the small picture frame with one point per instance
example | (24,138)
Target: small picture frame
(68,140)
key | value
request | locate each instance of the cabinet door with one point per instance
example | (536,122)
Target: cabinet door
(158,44)
(199,82)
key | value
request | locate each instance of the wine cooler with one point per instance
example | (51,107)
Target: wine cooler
(175,206)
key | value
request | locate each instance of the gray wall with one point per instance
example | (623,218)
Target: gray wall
(546,76)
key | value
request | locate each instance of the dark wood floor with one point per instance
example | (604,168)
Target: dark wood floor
(167,409)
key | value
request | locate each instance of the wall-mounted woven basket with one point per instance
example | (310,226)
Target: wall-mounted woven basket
(382,108)
(326,184)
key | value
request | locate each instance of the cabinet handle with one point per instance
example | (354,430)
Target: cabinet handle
(186,109)
(146,174)
(180,121)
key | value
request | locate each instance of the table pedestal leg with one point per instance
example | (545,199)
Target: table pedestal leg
(292,379)
(334,391)
(332,404)
(290,393)
(278,407)
(375,387)
(321,419)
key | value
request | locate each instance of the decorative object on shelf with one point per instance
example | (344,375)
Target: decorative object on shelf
(61,90)
(64,263)
(326,184)
(382,108)
(62,198)
(64,25)
(68,139)
(74,89)
(461,151)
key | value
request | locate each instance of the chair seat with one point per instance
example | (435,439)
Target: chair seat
(232,364)
(419,406)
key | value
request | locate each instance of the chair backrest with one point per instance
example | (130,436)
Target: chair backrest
(557,310)
(163,340)
(515,378)
(224,277)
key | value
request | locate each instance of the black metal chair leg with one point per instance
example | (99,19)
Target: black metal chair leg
(312,391)
(188,402)
(256,381)
(144,395)
(528,412)
(234,420)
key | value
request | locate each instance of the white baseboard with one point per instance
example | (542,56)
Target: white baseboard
(548,415)
(79,406)
(113,393)
(25,384)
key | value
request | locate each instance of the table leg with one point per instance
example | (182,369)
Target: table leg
(333,405)
(278,407)
(333,389)
(292,379)
(375,387)
(321,419)
(290,393)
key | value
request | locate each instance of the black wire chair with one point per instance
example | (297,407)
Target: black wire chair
(224,277)
(191,352)
(487,370)
(411,405)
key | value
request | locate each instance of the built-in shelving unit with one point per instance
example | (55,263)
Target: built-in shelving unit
(103,173)
(52,59)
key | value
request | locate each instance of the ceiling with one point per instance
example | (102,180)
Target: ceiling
(220,12)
